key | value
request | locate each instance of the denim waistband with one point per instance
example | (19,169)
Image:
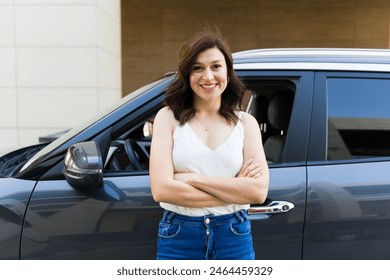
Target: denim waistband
(210,220)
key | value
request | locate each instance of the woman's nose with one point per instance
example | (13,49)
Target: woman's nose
(208,74)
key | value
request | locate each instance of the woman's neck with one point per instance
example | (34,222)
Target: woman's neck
(207,107)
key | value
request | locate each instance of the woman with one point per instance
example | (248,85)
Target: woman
(207,160)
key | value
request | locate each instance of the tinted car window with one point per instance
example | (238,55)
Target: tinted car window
(271,103)
(358,118)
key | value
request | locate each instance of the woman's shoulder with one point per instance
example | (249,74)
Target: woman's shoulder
(165,115)
(165,112)
(247,119)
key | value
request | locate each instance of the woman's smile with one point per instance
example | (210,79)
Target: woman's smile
(209,86)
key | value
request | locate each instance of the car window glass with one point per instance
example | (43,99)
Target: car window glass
(271,103)
(358,118)
(131,151)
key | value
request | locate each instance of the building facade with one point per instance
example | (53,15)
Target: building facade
(62,61)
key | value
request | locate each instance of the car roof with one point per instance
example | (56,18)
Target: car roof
(314,59)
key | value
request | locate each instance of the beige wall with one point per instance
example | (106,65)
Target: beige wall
(154,30)
(60,63)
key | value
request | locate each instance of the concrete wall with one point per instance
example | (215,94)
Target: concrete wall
(60,63)
(154,30)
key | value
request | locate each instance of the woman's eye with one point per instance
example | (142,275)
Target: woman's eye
(197,68)
(216,66)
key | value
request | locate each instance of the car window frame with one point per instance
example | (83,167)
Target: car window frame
(296,145)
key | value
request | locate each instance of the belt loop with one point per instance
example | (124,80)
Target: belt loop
(168,216)
(240,215)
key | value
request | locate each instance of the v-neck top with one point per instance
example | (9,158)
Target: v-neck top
(190,154)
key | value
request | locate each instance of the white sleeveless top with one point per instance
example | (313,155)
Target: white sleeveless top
(189,154)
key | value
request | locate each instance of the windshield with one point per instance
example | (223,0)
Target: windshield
(73,132)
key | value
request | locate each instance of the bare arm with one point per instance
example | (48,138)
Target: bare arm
(250,185)
(163,184)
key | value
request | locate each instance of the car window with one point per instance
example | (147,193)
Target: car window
(358,118)
(131,151)
(271,103)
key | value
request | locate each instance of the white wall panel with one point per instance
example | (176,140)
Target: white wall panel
(8,108)
(57,67)
(109,70)
(108,33)
(108,97)
(55,2)
(8,139)
(56,108)
(7,34)
(112,7)
(7,67)
(56,25)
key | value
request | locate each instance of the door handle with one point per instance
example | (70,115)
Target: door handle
(273,207)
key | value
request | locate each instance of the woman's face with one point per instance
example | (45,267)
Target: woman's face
(208,77)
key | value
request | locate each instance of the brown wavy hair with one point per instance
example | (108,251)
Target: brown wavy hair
(179,96)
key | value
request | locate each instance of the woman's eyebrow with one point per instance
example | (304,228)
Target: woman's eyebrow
(215,61)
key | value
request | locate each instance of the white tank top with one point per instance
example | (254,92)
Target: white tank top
(189,154)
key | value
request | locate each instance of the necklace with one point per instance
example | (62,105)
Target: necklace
(206,128)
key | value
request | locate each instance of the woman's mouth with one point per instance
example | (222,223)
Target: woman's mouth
(208,86)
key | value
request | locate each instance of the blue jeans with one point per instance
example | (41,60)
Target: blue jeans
(225,237)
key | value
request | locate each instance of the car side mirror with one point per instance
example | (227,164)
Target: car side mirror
(84,165)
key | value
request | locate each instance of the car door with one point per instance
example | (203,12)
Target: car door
(278,224)
(118,221)
(348,209)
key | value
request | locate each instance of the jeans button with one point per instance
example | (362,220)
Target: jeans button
(207,221)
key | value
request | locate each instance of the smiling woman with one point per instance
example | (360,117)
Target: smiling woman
(205,164)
